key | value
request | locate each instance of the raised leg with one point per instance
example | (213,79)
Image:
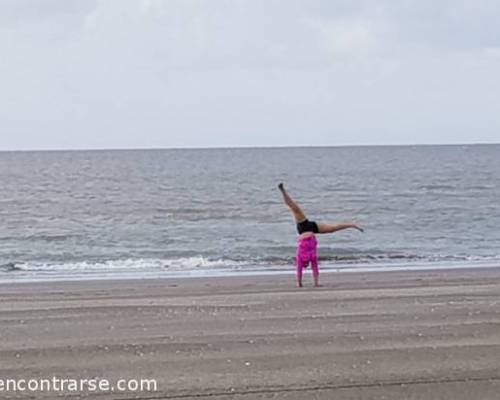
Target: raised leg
(296,210)
(327,228)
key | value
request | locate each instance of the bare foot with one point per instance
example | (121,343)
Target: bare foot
(356,226)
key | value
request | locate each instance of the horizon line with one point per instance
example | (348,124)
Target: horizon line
(243,147)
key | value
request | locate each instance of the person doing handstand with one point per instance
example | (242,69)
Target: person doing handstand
(307,244)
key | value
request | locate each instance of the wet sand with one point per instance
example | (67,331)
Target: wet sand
(391,335)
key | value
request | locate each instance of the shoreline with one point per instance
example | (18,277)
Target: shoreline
(215,274)
(280,281)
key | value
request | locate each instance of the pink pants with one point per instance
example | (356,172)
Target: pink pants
(306,253)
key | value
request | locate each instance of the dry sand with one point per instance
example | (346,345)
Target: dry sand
(394,335)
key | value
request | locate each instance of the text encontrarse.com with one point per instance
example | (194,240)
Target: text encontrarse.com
(58,384)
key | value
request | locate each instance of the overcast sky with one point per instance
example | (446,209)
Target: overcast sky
(194,73)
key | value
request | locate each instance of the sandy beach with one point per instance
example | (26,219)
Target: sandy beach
(392,335)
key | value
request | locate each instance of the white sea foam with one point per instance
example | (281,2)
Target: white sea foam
(130,265)
(200,263)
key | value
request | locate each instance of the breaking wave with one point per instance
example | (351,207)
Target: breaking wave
(202,265)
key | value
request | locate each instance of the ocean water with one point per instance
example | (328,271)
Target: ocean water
(152,213)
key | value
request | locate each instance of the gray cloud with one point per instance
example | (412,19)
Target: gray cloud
(139,73)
